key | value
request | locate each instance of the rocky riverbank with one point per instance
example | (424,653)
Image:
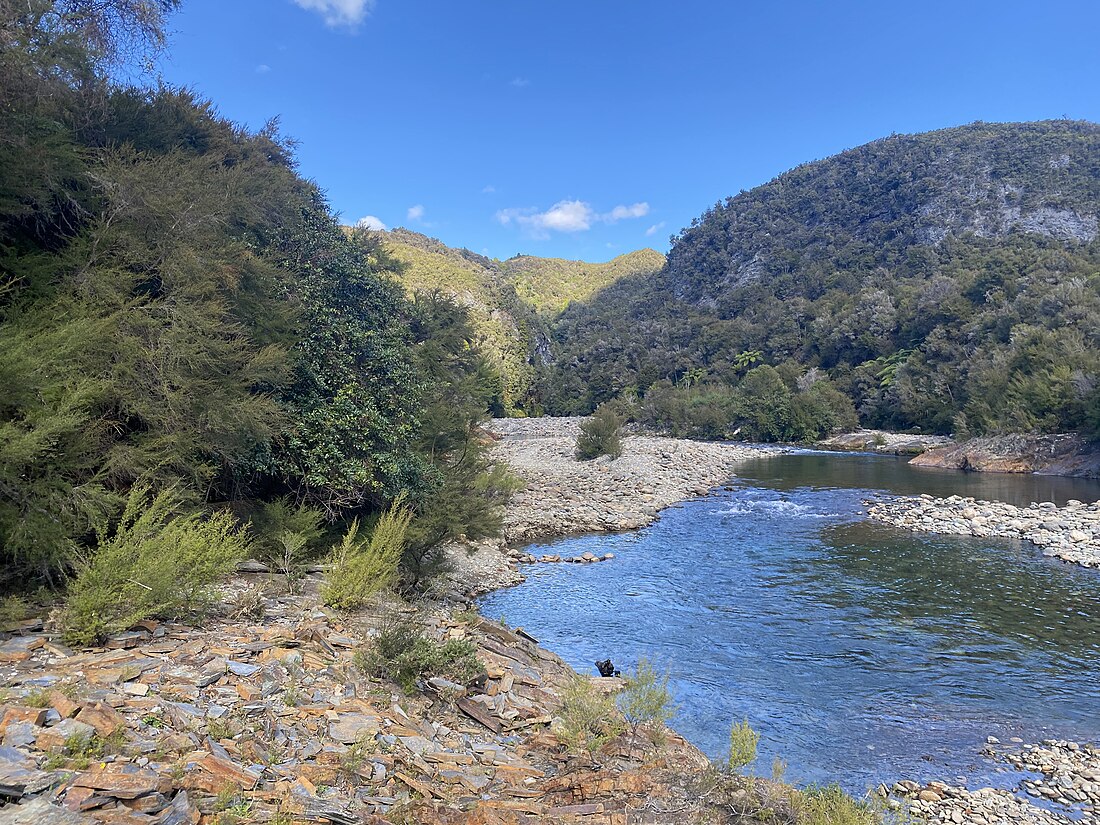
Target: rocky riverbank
(274,718)
(1065,454)
(1070,533)
(882,441)
(563,496)
(1066,781)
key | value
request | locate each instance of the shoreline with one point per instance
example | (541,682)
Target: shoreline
(276,708)
(1070,533)
(564,497)
(540,450)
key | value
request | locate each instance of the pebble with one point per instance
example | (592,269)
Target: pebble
(1070,533)
(1069,788)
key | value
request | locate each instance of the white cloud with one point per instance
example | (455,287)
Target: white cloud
(653,230)
(566,216)
(488,190)
(519,82)
(263,68)
(371,222)
(339,12)
(636,210)
(415,213)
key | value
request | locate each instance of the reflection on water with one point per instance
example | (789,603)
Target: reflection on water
(860,652)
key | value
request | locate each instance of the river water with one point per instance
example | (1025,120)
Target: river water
(861,653)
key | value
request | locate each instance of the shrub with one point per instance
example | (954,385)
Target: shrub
(698,411)
(13,609)
(403,653)
(285,535)
(743,742)
(829,805)
(362,568)
(158,563)
(645,700)
(587,718)
(601,434)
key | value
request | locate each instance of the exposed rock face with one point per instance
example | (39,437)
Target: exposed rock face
(1064,455)
(881,441)
(1071,533)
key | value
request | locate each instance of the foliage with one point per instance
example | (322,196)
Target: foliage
(506,328)
(830,805)
(468,496)
(922,275)
(157,562)
(762,406)
(552,284)
(588,718)
(180,310)
(602,434)
(404,653)
(13,609)
(743,742)
(361,568)
(645,699)
(285,534)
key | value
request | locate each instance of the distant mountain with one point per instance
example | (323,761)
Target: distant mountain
(513,302)
(947,280)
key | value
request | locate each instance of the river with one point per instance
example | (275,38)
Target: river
(861,653)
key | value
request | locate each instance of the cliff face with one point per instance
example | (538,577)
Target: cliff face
(877,200)
(944,282)
(1062,455)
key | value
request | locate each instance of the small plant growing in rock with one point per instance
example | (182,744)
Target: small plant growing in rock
(601,434)
(285,535)
(588,718)
(402,652)
(13,609)
(743,743)
(645,700)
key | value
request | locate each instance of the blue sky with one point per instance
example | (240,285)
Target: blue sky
(588,128)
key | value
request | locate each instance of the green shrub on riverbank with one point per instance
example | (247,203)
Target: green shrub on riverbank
(645,700)
(743,743)
(403,652)
(830,805)
(602,434)
(363,567)
(588,718)
(157,563)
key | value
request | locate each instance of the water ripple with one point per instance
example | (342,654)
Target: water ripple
(861,653)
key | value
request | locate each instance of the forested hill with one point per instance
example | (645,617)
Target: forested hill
(509,329)
(947,280)
(512,303)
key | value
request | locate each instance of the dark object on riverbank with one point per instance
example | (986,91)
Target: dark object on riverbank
(607,669)
(1065,454)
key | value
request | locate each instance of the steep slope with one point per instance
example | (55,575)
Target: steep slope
(551,284)
(510,332)
(946,280)
(513,302)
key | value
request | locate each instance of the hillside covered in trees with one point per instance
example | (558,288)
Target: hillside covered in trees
(512,303)
(186,332)
(947,281)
